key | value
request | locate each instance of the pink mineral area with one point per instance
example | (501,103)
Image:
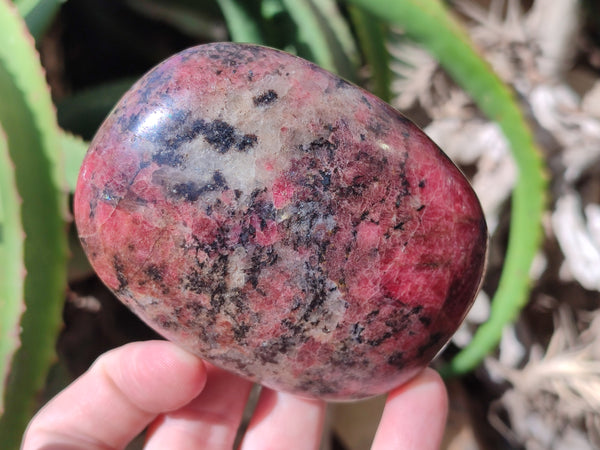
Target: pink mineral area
(280,222)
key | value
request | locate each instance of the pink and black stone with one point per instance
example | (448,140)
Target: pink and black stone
(280,222)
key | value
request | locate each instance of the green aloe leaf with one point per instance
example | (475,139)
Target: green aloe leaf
(25,6)
(243,20)
(27,116)
(315,30)
(38,14)
(323,36)
(339,35)
(12,268)
(201,20)
(74,149)
(371,33)
(429,23)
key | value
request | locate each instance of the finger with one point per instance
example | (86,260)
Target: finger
(415,415)
(117,397)
(210,421)
(283,420)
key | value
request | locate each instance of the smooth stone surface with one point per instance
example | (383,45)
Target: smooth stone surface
(280,222)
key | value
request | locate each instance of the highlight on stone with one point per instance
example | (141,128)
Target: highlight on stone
(280,222)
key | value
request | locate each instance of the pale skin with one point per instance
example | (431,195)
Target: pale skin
(189,404)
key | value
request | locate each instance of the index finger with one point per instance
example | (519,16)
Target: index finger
(414,416)
(123,391)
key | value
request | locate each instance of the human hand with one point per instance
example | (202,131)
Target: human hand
(187,403)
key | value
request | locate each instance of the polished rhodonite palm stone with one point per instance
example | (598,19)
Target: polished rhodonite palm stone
(280,222)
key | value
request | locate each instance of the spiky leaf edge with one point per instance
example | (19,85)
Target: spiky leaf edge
(12,266)
(28,118)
